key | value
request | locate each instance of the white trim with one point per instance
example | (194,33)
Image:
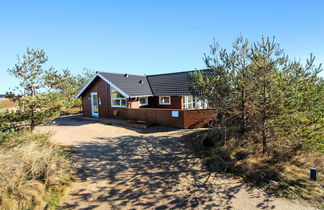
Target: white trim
(111,100)
(146,101)
(141,96)
(104,79)
(114,86)
(194,103)
(92,108)
(86,85)
(165,103)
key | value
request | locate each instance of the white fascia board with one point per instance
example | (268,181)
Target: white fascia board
(143,96)
(86,85)
(104,79)
(114,86)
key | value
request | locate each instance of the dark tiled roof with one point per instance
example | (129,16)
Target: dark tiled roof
(171,84)
(131,84)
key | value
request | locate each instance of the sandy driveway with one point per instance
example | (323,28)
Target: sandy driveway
(126,168)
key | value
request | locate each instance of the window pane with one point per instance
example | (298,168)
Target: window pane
(165,100)
(116,102)
(190,99)
(198,104)
(143,100)
(123,102)
(116,94)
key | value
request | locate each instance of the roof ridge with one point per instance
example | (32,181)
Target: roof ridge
(121,73)
(171,73)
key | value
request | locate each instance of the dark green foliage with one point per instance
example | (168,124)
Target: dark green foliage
(34,107)
(66,85)
(215,87)
(29,70)
(259,92)
(301,105)
(268,60)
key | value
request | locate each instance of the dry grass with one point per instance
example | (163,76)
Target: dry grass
(32,174)
(281,175)
(5,103)
(71,111)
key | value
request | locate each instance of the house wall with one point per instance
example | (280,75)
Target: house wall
(103,91)
(198,118)
(86,99)
(160,114)
(157,116)
(187,118)
(154,115)
(176,103)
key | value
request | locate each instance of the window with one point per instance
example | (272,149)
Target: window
(143,101)
(165,100)
(191,102)
(117,99)
(188,102)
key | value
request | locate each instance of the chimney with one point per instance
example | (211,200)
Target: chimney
(125,75)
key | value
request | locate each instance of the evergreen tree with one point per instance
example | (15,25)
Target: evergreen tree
(267,60)
(241,76)
(66,85)
(214,85)
(34,106)
(300,120)
(278,100)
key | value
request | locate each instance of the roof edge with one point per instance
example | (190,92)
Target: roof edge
(104,79)
(180,72)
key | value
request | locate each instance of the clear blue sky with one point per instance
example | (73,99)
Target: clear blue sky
(148,37)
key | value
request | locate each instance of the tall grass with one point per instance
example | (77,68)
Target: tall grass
(32,172)
(281,173)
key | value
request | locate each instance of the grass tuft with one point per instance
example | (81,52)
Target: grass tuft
(33,173)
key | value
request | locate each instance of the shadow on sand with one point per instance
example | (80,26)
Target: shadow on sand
(152,171)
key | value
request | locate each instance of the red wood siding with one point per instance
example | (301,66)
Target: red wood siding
(103,91)
(159,114)
(176,103)
(198,118)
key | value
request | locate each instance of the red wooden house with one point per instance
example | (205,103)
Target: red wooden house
(163,99)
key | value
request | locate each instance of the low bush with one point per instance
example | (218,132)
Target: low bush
(33,172)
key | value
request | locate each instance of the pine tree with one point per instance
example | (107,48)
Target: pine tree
(214,85)
(268,59)
(34,105)
(66,85)
(301,114)
(241,77)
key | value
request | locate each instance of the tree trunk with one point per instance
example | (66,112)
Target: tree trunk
(32,125)
(264,113)
(243,112)
(264,139)
(32,121)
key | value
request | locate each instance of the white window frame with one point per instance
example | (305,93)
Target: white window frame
(120,99)
(94,114)
(146,101)
(164,103)
(195,100)
(186,103)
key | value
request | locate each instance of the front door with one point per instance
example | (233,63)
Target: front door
(94,104)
